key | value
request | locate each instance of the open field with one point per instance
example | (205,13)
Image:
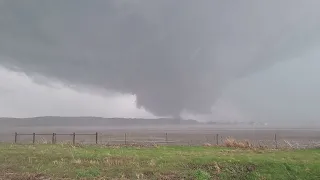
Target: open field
(175,135)
(63,161)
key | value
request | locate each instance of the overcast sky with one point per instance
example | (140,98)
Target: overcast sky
(210,60)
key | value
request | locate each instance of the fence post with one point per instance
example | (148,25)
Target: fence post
(15,137)
(125,138)
(275,140)
(74,138)
(167,138)
(34,138)
(52,138)
(217,137)
(96,137)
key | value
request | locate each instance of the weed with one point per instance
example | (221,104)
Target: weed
(88,173)
(202,175)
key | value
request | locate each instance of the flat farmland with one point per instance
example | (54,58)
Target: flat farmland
(175,135)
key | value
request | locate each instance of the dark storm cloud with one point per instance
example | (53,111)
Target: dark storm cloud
(173,55)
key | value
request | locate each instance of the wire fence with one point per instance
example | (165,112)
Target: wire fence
(271,141)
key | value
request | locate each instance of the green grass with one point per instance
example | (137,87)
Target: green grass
(171,162)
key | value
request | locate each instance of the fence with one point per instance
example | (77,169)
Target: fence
(271,141)
(54,136)
(73,135)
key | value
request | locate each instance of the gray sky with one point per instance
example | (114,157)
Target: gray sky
(217,59)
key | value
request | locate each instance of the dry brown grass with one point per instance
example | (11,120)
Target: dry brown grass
(118,160)
(232,142)
(207,145)
(22,176)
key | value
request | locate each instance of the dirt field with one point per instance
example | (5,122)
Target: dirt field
(182,135)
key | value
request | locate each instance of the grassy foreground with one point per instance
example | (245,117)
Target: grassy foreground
(172,162)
